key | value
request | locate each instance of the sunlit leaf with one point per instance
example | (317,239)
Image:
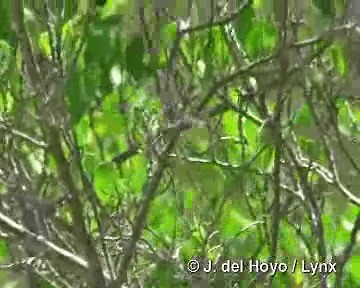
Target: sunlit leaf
(338,58)
(44,44)
(231,222)
(136,173)
(261,39)
(168,35)
(164,219)
(105,177)
(345,118)
(230,123)
(354,267)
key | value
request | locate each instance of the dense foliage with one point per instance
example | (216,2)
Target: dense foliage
(135,137)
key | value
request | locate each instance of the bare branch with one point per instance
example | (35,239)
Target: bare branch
(344,257)
(19,229)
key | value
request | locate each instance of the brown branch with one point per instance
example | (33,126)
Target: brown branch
(21,230)
(346,254)
(276,125)
(149,193)
(330,155)
(94,201)
(329,178)
(126,155)
(31,67)
(23,136)
(139,224)
(95,276)
(203,26)
(247,71)
(275,122)
(314,210)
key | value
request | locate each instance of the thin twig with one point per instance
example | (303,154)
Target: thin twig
(19,229)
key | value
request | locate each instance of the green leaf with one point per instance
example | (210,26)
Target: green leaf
(354,267)
(5,27)
(44,44)
(303,117)
(261,39)
(267,159)
(230,123)
(90,162)
(168,35)
(3,249)
(205,177)
(110,122)
(327,7)
(135,172)
(83,132)
(163,215)
(245,23)
(5,56)
(134,57)
(215,51)
(310,146)
(197,139)
(251,132)
(105,179)
(189,248)
(99,45)
(163,276)
(231,221)
(345,117)
(76,105)
(81,92)
(234,152)
(337,55)
(189,196)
